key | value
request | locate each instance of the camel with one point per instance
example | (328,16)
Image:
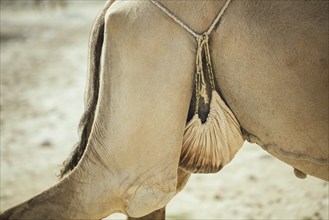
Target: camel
(271,67)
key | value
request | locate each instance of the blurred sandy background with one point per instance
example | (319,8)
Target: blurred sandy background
(43,73)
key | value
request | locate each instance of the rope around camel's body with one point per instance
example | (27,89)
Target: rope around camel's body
(202,48)
(208,146)
(186,27)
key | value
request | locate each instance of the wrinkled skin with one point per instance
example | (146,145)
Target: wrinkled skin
(271,67)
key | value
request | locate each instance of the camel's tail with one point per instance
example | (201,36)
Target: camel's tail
(92,90)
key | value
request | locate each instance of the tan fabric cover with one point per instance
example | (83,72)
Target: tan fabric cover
(209,146)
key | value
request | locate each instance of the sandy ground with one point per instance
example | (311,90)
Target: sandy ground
(43,73)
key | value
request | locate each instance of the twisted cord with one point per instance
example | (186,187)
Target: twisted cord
(173,17)
(209,64)
(202,47)
(185,26)
(222,11)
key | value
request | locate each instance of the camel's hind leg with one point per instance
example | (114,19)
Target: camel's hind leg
(156,215)
(160,214)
